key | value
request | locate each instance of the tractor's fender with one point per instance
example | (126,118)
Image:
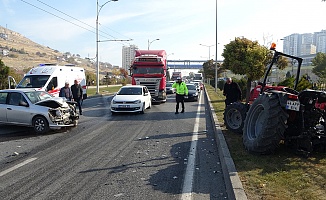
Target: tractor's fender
(282,96)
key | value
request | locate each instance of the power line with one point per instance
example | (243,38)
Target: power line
(115,31)
(57,16)
(92,27)
(74,18)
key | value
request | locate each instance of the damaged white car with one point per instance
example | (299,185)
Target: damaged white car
(37,109)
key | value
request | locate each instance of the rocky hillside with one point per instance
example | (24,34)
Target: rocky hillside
(19,52)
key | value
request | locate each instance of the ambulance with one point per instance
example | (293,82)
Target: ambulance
(52,77)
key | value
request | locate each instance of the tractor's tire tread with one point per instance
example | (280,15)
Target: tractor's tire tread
(267,110)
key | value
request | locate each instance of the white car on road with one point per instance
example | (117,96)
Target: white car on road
(133,98)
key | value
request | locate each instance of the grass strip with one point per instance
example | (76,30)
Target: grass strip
(279,176)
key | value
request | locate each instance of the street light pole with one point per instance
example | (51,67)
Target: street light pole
(98,10)
(149,43)
(216,48)
(209,50)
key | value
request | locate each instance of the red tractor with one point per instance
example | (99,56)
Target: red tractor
(278,114)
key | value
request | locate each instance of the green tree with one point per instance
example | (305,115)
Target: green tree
(319,63)
(13,73)
(191,75)
(245,57)
(288,82)
(124,72)
(72,60)
(303,83)
(90,77)
(126,79)
(4,72)
(209,70)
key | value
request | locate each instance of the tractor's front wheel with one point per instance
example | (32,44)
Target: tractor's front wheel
(234,116)
(264,125)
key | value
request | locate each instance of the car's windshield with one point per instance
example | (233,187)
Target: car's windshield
(35,81)
(130,91)
(36,96)
(147,70)
(191,87)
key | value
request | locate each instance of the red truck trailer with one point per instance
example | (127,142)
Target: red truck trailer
(149,68)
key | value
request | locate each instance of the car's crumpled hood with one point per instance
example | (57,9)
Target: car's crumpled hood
(126,97)
(54,102)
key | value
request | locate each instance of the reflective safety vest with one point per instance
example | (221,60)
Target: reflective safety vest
(181,88)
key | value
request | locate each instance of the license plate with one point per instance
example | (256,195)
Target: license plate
(123,106)
(293,105)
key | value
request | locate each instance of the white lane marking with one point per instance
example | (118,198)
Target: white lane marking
(17,166)
(189,175)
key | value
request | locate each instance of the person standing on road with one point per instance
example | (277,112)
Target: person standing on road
(231,91)
(77,95)
(66,92)
(181,93)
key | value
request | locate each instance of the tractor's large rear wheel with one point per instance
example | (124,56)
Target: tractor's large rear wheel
(234,116)
(264,125)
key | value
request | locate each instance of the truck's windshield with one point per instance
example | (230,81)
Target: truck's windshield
(148,70)
(35,81)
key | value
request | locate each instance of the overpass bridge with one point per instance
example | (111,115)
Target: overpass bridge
(186,64)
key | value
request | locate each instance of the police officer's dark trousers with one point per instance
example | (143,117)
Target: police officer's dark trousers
(180,99)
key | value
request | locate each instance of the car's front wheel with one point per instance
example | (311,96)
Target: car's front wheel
(143,109)
(40,125)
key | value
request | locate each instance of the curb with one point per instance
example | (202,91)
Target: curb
(233,184)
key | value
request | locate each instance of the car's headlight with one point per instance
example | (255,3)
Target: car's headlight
(58,113)
(137,101)
(113,102)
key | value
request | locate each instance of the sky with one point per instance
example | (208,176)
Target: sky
(180,25)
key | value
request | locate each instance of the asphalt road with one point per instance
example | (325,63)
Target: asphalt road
(157,155)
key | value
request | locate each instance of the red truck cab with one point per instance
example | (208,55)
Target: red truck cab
(149,68)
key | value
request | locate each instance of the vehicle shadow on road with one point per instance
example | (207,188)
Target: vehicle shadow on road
(11,132)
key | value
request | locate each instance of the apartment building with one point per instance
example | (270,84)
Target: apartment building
(291,44)
(320,38)
(128,54)
(305,44)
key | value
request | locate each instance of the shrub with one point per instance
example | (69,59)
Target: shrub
(12,55)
